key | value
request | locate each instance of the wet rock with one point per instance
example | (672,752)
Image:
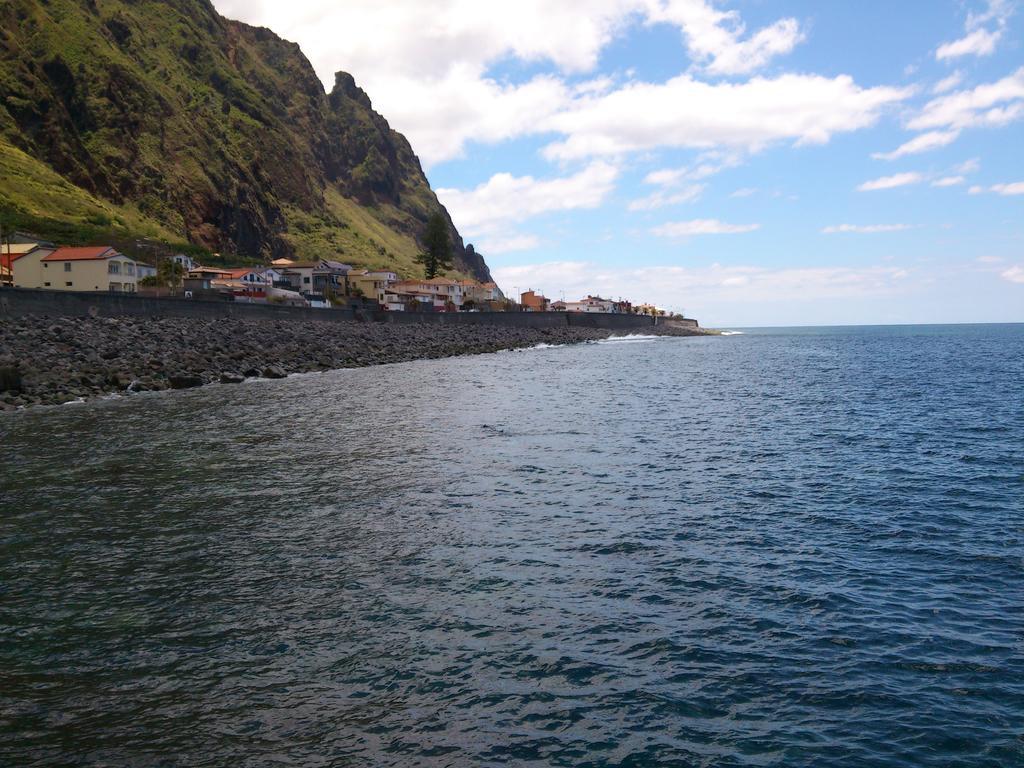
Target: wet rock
(91,356)
(228,377)
(184,381)
(10,379)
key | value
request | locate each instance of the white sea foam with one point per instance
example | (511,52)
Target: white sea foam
(732,333)
(541,346)
(632,338)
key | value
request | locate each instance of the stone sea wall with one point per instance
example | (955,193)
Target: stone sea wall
(52,360)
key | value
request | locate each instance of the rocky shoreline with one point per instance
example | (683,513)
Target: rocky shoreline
(50,361)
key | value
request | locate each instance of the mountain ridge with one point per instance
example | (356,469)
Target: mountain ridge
(175,122)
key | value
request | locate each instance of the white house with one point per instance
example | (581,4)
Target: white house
(591,304)
(186,262)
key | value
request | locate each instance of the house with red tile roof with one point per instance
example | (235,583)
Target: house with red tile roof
(93,268)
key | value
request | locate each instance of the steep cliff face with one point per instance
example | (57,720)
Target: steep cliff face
(168,118)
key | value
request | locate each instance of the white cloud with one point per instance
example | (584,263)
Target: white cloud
(1014,274)
(657,200)
(703,289)
(744,192)
(420,38)
(441,116)
(684,112)
(1007,190)
(979,40)
(713,37)
(968,166)
(427,66)
(505,199)
(990,104)
(949,83)
(702,227)
(989,259)
(891,182)
(949,181)
(706,165)
(492,246)
(1016,188)
(864,229)
(923,143)
(995,10)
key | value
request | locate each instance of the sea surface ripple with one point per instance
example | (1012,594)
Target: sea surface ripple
(789,547)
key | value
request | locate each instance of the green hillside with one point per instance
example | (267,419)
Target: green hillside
(162,120)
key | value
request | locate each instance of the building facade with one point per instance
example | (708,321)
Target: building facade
(99,268)
(531,301)
(372,285)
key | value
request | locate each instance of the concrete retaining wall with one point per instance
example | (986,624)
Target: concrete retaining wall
(686,322)
(507,319)
(17,302)
(607,322)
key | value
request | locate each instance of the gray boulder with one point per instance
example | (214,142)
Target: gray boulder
(185,381)
(10,379)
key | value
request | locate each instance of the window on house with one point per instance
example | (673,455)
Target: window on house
(305,280)
(46,285)
(113,268)
(129,269)
(68,284)
(67,266)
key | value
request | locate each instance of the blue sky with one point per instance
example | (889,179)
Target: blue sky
(751,163)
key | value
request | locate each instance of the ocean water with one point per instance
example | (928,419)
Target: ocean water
(788,547)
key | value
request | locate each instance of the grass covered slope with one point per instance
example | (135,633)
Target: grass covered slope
(32,193)
(163,119)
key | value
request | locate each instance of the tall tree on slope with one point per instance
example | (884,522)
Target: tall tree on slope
(438,254)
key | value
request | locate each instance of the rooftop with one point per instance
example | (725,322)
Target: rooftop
(239,272)
(92,253)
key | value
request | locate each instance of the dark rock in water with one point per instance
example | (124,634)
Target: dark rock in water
(184,381)
(228,377)
(10,379)
(157,353)
(274,372)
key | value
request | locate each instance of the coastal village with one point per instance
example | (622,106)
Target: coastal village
(136,326)
(319,284)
